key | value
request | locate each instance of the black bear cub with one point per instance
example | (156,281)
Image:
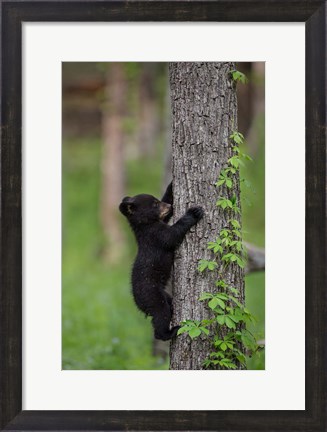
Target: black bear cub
(156,241)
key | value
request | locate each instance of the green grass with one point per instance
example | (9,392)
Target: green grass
(101,327)
(255,302)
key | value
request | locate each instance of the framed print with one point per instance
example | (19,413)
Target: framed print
(78,80)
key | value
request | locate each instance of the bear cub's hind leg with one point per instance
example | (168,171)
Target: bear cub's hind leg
(161,320)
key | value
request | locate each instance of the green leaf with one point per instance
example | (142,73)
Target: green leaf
(183,330)
(235,223)
(215,246)
(239,77)
(206,322)
(222,296)
(225,241)
(234,161)
(221,283)
(230,324)
(213,303)
(247,157)
(205,296)
(220,319)
(223,346)
(227,363)
(212,265)
(203,264)
(237,139)
(248,340)
(221,303)
(230,169)
(241,358)
(240,262)
(220,182)
(205,330)
(218,342)
(194,332)
(227,257)
(236,301)
(233,290)
(235,318)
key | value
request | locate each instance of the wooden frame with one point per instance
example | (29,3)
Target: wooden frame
(13,13)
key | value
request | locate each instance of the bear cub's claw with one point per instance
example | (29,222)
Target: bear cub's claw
(196,212)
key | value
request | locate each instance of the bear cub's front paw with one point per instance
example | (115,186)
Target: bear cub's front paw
(196,212)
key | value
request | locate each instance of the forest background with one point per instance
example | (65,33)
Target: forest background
(117,142)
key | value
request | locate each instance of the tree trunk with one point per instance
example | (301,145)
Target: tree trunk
(204,115)
(256,258)
(112,163)
(252,135)
(245,98)
(148,115)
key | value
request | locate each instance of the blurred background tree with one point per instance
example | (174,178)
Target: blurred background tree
(112,161)
(116,142)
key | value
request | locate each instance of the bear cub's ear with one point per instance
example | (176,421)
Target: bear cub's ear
(127,206)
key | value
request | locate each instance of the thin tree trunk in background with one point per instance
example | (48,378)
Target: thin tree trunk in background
(148,112)
(204,114)
(113,160)
(245,96)
(252,135)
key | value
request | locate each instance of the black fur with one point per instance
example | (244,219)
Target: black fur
(156,241)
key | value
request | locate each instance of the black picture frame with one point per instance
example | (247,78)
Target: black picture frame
(13,14)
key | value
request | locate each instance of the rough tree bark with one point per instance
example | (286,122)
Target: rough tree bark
(112,163)
(204,114)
